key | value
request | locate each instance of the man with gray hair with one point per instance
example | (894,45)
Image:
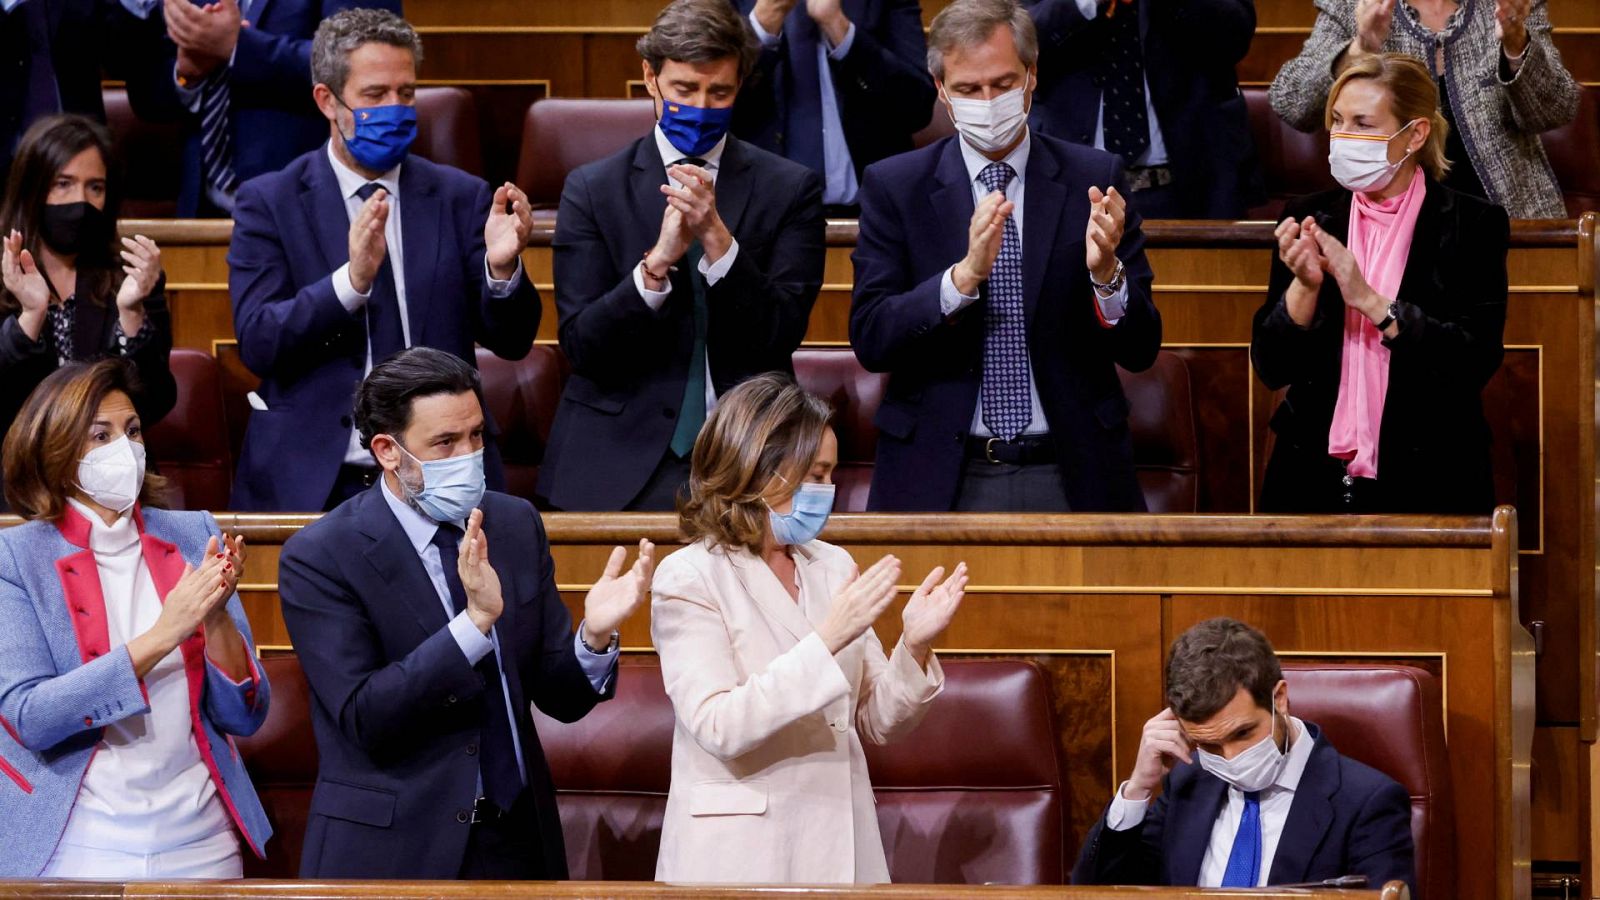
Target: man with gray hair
(684,264)
(355,252)
(1000,280)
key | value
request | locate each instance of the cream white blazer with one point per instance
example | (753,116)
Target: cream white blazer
(769,781)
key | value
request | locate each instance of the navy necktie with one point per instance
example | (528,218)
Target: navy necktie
(802,131)
(1244,863)
(384,330)
(502,776)
(1007,410)
(1121,76)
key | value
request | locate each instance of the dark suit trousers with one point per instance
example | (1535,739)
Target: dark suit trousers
(660,493)
(998,487)
(508,849)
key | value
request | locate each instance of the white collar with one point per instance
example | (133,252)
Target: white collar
(671,154)
(351,181)
(419,528)
(1017,159)
(111,539)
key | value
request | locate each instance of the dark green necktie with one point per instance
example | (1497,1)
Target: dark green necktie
(692,414)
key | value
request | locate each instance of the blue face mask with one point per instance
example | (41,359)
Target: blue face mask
(451,488)
(692,129)
(383,135)
(806,516)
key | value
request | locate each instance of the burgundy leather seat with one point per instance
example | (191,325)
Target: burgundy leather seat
(447,128)
(855,393)
(1166,448)
(522,397)
(282,759)
(190,444)
(151,156)
(559,135)
(1575,154)
(1390,717)
(1293,162)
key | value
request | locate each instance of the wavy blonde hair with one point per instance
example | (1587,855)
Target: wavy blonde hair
(1412,95)
(768,427)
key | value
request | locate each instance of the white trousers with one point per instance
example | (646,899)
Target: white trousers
(213,857)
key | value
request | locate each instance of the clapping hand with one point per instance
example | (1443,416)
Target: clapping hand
(368,246)
(141,260)
(985,233)
(479,580)
(1300,251)
(864,598)
(1108,212)
(23,280)
(617,594)
(1374,18)
(1342,265)
(208,34)
(1511,25)
(931,608)
(507,231)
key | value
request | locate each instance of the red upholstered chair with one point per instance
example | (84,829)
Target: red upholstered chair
(522,397)
(1166,448)
(1293,162)
(190,444)
(1575,154)
(560,135)
(151,156)
(447,128)
(282,760)
(836,376)
(1390,717)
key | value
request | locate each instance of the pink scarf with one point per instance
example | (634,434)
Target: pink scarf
(1380,239)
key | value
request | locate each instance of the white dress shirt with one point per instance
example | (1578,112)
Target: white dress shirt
(839,170)
(1156,153)
(952,301)
(712,272)
(146,789)
(350,181)
(1275,802)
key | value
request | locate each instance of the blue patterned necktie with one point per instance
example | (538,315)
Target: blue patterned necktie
(1121,78)
(1007,411)
(216,140)
(1244,863)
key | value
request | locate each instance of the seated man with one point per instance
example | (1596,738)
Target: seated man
(355,252)
(1250,795)
(684,264)
(426,617)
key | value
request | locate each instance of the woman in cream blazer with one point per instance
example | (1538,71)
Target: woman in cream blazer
(768,654)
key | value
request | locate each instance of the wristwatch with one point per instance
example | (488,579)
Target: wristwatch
(1112,286)
(1394,313)
(616,641)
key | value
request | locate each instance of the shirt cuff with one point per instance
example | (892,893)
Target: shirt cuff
(6,6)
(768,41)
(346,292)
(1114,307)
(1089,8)
(501,289)
(652,299)
(843,50)
(1124,813)
(474,644)
(714,271)
(951,300)
(140,9)
(597,667)
(188,94)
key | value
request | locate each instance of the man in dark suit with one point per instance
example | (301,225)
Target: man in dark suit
(1250,795)
(684,264)
(840,84)
(426,616)
(357,251)
(999,281)
(240,77)
(1153,82)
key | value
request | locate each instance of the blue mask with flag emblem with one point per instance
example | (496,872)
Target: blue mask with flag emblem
(383,135)
(693,129)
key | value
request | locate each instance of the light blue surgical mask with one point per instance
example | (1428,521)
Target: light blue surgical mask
(451,488)
(807,514)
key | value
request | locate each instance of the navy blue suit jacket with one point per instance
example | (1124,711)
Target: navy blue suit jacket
(1190,50)
(882,85)
(398,711)
(629,362)
(915,211)
(1346,819)
(290,233)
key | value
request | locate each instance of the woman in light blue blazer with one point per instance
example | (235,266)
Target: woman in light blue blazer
(126,663)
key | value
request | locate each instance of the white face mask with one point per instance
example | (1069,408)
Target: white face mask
(1255,769)
(990,125)
(113,475)
(1360,162)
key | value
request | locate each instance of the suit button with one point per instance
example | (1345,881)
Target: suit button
(839,726)
(668,412)
(88,721)
(472,749)
(450,700)
(345,422)
(462,816)
(961,438)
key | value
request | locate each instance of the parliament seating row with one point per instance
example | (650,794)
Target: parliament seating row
(951,809)
(196,444)
(558,135)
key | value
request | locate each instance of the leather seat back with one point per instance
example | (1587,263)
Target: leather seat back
(1574,151)
(521,396)
(150,156)
(1293,162)
(282,760)
(1166,447)
(559,135)
(189,446)
(447,128)
(836,376)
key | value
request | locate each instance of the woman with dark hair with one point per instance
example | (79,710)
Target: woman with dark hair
(69,290)
(126,662)
(767,650)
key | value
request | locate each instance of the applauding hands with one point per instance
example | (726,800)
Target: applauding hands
(866,595)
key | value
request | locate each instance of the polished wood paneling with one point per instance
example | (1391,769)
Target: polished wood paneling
(1558,758)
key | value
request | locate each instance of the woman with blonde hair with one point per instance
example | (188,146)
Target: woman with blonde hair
(1384,315)
(767,650)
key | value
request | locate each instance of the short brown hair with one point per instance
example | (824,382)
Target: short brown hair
(1412,95)
(1211,661)
(766,427)
(345,32)
(46,439)
(967,23)
(699,31)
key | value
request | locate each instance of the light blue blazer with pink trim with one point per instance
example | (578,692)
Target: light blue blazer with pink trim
(61,682)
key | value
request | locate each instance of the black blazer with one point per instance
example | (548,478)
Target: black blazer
(915,209)
(1346,819)
(1433,445)
(1190,50)
(629,362)
(398,709)
(884,91)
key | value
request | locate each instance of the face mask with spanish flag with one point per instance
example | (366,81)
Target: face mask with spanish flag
(693,129)
(1360,162)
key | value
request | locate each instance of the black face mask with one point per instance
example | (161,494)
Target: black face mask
(73,228)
